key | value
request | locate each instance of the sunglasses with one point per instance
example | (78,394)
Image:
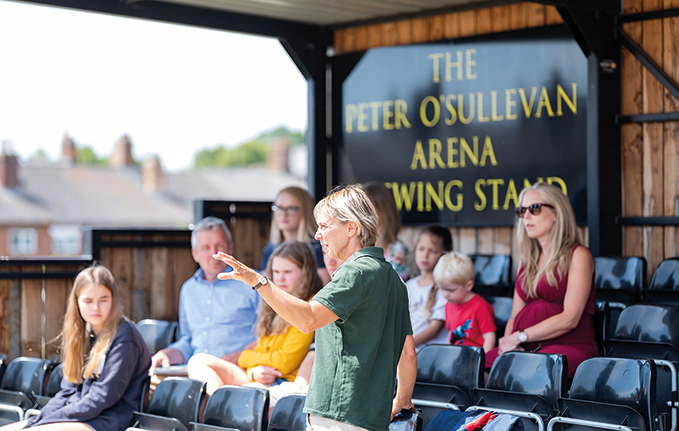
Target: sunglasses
(534,209)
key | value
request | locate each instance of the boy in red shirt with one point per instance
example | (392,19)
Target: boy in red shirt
(469,318)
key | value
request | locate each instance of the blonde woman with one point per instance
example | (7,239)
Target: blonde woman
(293,220)
(280,347)
(553,309)
(106,362)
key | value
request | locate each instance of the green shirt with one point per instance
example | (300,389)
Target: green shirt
(357,355)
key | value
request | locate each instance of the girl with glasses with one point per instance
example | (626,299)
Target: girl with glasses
(553,310)
(293,220)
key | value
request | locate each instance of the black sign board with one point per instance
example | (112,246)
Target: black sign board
(457,131)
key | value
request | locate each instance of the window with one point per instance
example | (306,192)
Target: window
(66,239)
(23,241)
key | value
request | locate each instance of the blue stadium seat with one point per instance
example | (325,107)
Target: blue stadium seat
(446,378)
(175,403)
(619,279)
(502,307)
(610,393)
(22,381)
(158,334)
(287,414)
(525,384)
(492,274)
(235,407)
(664,287)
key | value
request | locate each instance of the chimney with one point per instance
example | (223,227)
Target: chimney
(68,151)
(9,166)
(278,155)
(122,154)
(152,175)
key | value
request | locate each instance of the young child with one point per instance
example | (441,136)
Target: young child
(469,318)
(426,303)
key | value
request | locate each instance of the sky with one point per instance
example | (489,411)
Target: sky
(172,89)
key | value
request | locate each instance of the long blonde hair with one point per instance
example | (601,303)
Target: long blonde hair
(307,225)
(563,237)
(299,253)
(80,364)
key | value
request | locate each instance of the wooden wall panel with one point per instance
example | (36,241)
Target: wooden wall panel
(31,318)
(670,130)
(5,325)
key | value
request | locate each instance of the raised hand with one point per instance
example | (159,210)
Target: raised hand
(241,272)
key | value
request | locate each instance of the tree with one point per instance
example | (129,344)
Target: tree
(39,155)
(85,155)
(253,152)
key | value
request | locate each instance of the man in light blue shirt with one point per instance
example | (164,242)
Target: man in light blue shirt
(215,316)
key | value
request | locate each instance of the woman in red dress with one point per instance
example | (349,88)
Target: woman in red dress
(553,310)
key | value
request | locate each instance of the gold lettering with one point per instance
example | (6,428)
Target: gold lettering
(404,196)
(450,65)
(495,183)
(452,152)
(480,205)
(449,106)
(400,116)
(493,107)
(435,59)
(362,116)
(418,156)
(544,102)
(435,154)
(351,112)
(560,182)
(482,119)
(473,155)
(527,108)
(420,196)
(387,115)
(460,108)
(470,63)
(511,195)
(488,152)
(375,106)
(510,103)
(449,203)
(572,102)
(432,194)
(423,111)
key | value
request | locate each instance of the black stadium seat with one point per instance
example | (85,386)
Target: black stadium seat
(492,274)
(287,414)
(24,378)
(158,334)
(175,403)
(648,331)
(502,307)
(53,386)
(235,407)
(525,384)
(619,279)
(446,378)
(610,393)
(664,287)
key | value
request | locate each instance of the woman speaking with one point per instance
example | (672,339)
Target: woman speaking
(363,333)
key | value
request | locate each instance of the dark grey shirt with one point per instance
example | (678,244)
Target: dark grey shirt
(105,403)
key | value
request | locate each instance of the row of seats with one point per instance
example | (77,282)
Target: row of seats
(177,404)
(634,385)
(26,383)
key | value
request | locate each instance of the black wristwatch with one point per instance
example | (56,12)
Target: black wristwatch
(262,282)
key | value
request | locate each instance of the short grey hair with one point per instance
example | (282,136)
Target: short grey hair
(209,223)
(349,203)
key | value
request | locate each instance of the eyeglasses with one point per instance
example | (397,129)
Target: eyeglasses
(284,210)
(534,209)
